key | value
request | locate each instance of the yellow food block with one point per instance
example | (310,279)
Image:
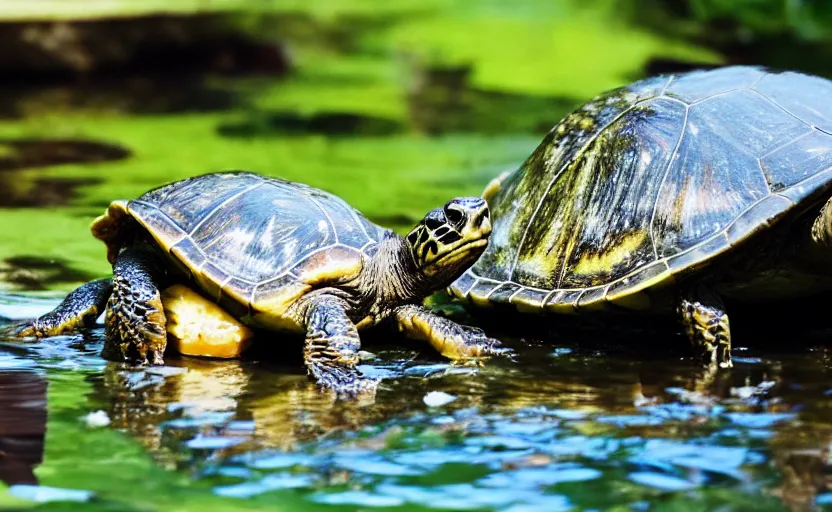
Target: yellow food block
(198,327)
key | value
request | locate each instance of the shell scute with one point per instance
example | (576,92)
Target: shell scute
(186,250)
(165,232)
(808,101)
(612,219)
(189,201)
(504,292)
(760,216)
(798,160)
(332,265)
(698,85)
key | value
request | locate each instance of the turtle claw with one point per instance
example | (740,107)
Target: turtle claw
(464,342)
(478,341)
(344,380)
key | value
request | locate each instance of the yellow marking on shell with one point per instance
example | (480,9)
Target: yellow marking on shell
(601,263)
(107,227)
(272,311)
(586,123)
(337,264)
(199,327)
(561,308)
(654,283)
(206,283)
(638,301)
(480,301)
(525,305)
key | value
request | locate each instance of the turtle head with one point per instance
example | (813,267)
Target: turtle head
(451,238)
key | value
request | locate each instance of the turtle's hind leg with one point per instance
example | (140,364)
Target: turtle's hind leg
(706,323)
(135,320)
(332,344)
(448,337)
(79,309)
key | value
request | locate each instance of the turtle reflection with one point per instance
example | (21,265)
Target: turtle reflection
(22,426)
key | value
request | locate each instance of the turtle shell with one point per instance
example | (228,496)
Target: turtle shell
(650,181)
(253,243)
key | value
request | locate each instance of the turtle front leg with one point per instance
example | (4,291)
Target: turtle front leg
(448,337)
(706,323)
(332,345)
(79,309)
(135,320)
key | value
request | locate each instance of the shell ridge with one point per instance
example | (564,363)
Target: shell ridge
(565,265)
(326,214)
(554,179)
(763,173)
(664,89)
(759,79)
(163,214)
(673,155)
(788,143)
(217,207)
(355,214)
(781,107)
(720,94)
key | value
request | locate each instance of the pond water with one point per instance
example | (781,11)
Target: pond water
(559,427)
(396,110)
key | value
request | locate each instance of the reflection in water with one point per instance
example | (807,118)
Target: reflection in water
(38,273)
(22,425)
(561,426)
(20,189)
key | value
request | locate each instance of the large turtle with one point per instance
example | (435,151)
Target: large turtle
(281,256)
(670,193)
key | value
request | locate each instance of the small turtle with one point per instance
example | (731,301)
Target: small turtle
(670,193)
(281,256)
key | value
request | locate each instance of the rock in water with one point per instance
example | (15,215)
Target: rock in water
(199,327)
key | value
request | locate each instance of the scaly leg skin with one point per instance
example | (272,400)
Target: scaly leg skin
(135,320)
(448,337)
(332,344)
(79,309)
(706,324)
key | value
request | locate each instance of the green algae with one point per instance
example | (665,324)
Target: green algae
(526,72)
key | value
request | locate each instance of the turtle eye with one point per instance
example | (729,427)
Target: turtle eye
(454,216)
